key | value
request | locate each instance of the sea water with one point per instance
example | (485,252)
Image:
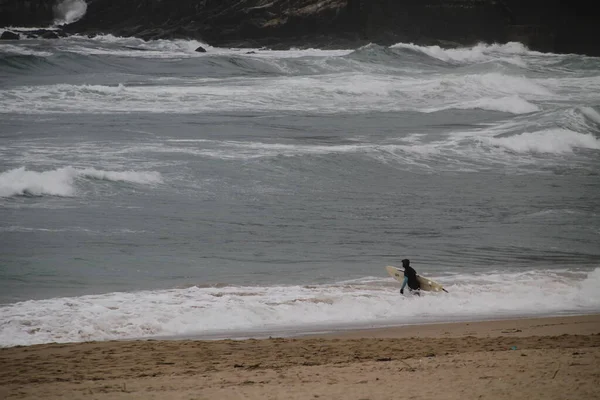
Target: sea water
(147,190)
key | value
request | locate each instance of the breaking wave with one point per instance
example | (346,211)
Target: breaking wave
(510,52)
(69,11)
(62,181)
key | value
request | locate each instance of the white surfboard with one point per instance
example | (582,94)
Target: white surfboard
(426,283)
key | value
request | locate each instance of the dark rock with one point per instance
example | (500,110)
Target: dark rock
(201,49)
(38,33)
(49,35)
(8,35)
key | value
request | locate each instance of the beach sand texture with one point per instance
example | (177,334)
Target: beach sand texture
(539,358)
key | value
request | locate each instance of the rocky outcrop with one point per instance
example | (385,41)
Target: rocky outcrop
(26,12)
(8,35)
(224,22)
(545,25)
(16,34)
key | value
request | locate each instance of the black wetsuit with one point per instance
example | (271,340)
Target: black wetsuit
(411,274)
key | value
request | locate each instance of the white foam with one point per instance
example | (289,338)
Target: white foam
(235,311)
(19,181)
(69,11)
(328,93)
(61,181)
(547,141)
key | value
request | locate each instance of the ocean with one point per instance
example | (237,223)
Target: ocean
(151,191)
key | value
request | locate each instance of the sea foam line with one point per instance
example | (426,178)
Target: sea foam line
(232,311)
(344,92)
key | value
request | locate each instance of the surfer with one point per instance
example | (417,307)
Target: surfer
(410,277)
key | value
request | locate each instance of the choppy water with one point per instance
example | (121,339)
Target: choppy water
(149,190)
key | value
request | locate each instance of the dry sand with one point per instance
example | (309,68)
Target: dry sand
(547,358)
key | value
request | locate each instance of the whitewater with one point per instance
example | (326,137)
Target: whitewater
(148,190)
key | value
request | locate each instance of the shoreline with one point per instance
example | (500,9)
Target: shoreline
(588,324)
(551,357)
(358,330)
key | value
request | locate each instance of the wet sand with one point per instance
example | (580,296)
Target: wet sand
(550,358)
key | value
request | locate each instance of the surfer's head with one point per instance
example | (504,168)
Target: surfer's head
(405,262)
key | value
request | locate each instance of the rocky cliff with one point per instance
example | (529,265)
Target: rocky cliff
(26,12)
(545,25)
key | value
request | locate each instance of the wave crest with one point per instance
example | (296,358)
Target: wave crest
(509,52)
(61,181)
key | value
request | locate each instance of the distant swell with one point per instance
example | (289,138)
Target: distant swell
(61,181)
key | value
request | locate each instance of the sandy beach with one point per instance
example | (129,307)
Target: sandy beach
(549,358)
